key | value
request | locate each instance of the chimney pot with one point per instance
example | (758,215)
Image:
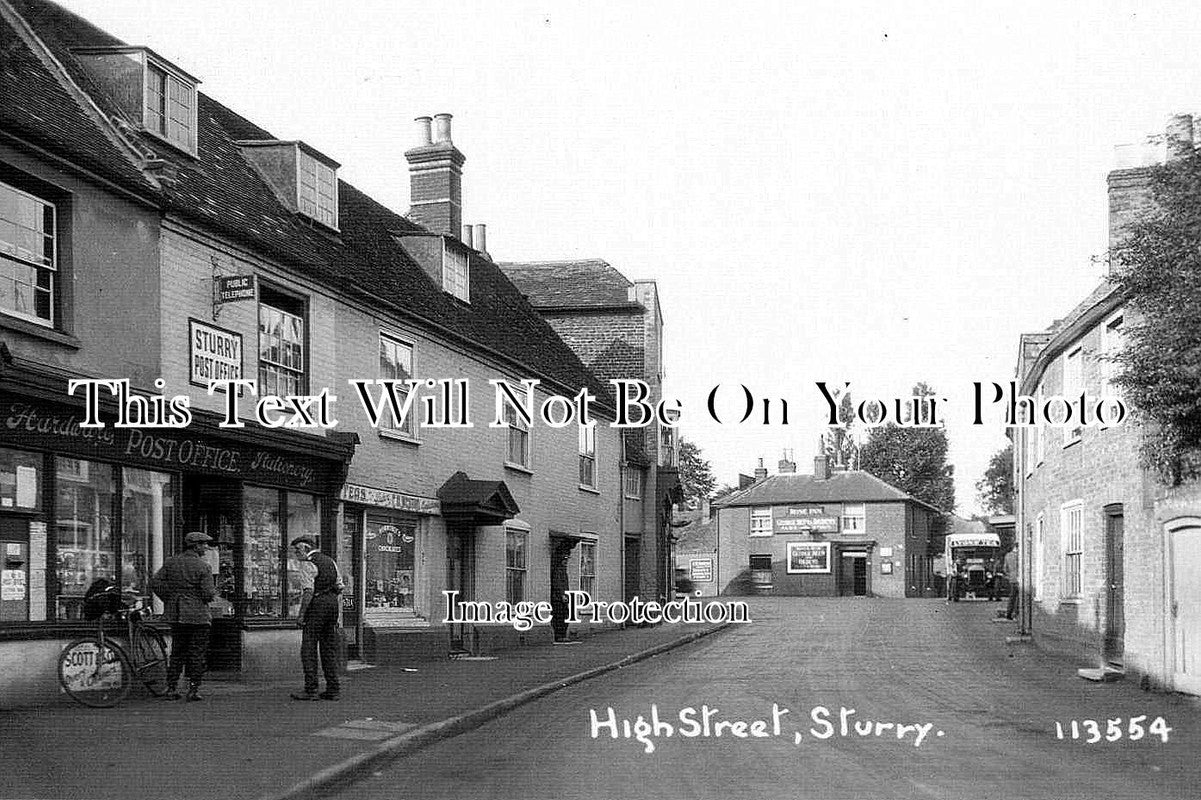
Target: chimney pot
(442,128)
(423,131)
(467,235)
(481,237)
(1179,136)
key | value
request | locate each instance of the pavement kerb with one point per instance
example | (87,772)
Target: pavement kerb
(346,772)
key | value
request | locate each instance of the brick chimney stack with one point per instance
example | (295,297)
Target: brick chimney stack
(821,468)
(760,471)
(1129,185)
(786,464)
(436,177)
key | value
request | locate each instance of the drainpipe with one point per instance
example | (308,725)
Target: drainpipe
(621,527)
(1025,557)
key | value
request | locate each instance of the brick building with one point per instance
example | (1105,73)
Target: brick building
(840,533)
(1108,556)
(128,198)
(615,326)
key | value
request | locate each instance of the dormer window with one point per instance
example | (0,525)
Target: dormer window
(456,272)
(170,107)
(317,185)
(149,89)
(303,179)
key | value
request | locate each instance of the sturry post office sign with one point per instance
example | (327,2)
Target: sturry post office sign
(214,354)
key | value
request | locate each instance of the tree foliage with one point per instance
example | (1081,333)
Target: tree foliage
(1157,266)
(996,487)
(838,443)
(696,477)
(912,459)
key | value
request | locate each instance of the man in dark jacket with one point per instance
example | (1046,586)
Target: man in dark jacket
(185,585)
(318,620)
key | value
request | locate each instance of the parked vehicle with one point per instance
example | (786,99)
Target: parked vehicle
(973,564)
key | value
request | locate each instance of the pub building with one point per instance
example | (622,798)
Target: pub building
(77,504)
(835,533)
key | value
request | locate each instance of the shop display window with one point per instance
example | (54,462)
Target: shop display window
(304,519)
(389,546)
(147,519)
(84,503)
(264,547)
(20,480)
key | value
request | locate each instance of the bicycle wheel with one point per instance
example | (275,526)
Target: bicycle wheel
(93,674)
(150,659)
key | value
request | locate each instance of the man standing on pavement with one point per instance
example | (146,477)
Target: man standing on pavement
(318,620)
(185,585)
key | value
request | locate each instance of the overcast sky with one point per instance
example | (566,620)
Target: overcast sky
(878,193)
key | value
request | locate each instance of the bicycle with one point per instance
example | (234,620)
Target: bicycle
(97,671)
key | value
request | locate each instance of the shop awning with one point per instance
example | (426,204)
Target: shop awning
(475,501)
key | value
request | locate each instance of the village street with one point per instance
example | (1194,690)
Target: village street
(982,717)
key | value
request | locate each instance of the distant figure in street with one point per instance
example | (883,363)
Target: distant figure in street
(318,620)
(185,585)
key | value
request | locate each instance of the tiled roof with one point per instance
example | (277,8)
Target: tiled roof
(35,107)
(571,284)
(221,190)
(1037,349)
(841,487)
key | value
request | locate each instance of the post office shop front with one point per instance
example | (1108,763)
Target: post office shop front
(78,504)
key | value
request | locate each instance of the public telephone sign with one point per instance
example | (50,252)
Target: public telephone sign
(232,288)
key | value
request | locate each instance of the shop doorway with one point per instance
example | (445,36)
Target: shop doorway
(214,506)
(1115,614)
(852,574)
(460,576)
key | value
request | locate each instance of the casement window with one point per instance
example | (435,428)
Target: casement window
(456,271)
(634,481)
(1073,385)
(854,518)
(588,568)
(519,439)
(515,565)
(28,256)
(761,521)
(317,190)
(396,364)
(281,344)
(170,107)
(1071,540)
(588,456)
(1039,558)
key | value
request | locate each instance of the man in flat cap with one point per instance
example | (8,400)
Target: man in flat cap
(318,620)
(185,585)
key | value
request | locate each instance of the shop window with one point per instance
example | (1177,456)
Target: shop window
(588,568)
(271,519)
(588,456)
(303,519)
(854,518)
(147,520)
(389,548)
(20,480)
(84,503)
(281,343)
(28,255)
(761,522)
(396,364)
(515,565)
